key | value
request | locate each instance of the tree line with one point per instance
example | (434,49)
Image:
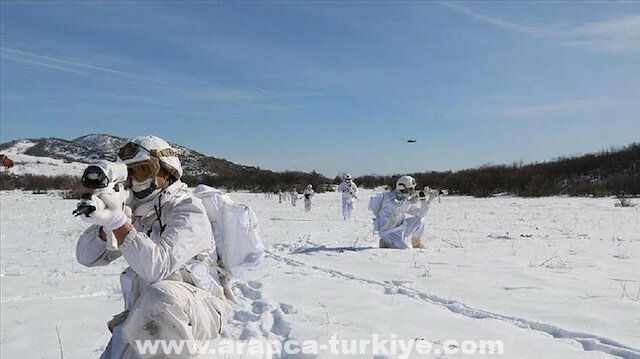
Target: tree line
(612,172)
(264,181)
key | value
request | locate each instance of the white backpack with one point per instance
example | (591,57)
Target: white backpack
(375,203)
(235,229)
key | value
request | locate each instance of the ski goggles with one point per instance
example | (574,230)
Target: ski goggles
(144,170)
(130,150)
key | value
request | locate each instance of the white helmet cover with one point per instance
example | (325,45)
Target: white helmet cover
(150,143)
(405,182)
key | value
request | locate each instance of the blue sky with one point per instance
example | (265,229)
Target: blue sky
(326,85)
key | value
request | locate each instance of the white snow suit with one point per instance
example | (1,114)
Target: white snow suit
(308,194)
(400,219)
(349,193)
(168,287)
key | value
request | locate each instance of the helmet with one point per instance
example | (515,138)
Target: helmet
(406,182)
(309,186)
(146,149)
(347,177)
(144,156)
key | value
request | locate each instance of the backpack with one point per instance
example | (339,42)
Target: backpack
(235,229)
(375,203)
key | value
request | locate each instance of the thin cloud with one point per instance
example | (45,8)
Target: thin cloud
(39,63)
(619,35)
(209,93)
(523,29)
(611,36)
(78,68)
(64,65)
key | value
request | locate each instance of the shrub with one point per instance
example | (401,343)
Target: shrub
(7,182)
(624,200)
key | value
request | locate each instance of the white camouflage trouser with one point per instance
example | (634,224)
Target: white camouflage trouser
(168,310)
(400,237)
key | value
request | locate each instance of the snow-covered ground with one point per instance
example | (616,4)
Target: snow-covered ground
(549,277)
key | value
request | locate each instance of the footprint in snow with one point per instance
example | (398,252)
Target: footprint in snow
(259,307)
(280,326)
(251,331)
(244,316)
(288,308)
(249,292)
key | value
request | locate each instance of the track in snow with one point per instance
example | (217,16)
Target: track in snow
(589,342)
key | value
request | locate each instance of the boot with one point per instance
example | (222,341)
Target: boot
(383,244)
(416,242)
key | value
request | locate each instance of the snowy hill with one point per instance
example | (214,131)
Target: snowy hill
(39,165)
(55,156)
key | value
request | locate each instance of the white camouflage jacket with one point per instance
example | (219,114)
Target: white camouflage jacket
(395,209)
(349,190)
(308,193)
(170,232)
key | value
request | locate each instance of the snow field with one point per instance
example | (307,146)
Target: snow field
(550,277)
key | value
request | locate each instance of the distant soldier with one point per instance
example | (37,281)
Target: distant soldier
(349,194)
(308,194)
(294,197)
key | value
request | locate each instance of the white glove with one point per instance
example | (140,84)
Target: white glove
(110,216)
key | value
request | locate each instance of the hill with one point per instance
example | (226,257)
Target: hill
(101,146)
(47,157)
